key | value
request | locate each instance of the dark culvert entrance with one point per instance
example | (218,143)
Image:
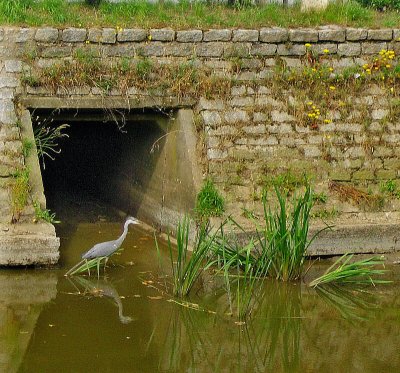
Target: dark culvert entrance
(112,164)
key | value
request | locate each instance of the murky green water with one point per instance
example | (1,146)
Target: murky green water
(125,323)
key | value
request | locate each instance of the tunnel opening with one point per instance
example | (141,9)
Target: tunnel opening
(112,164)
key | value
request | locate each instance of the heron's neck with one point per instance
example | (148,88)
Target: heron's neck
(124,233)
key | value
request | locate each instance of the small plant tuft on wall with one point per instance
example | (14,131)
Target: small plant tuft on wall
(209,201)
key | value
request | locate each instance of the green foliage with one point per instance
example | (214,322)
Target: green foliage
(359,272)
(209,201)
(44,214)
(46,139)
(20,190)
(287,181)
(27,146)
(391,188)
(381,4)
(143,68)
(188,14)
(187,267)
(284,235)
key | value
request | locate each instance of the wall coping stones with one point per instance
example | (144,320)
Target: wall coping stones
(74,35)
(46,35)
(163,34)
(245,35)
(217,35)
(189,36)
(274,35)
(132,35)
(303,35)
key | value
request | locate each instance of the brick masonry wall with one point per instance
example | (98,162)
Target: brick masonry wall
(248,133)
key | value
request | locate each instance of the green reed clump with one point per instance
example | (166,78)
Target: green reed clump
(284,234)
(187,266)
(359,272)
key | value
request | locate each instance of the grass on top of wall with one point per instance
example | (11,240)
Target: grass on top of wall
(188,15)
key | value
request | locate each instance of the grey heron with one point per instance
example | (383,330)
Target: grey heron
(104,250)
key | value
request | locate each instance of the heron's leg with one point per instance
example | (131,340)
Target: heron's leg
(98,267)
(87,266)
(105,263)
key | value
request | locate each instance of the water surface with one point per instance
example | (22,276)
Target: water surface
(126,322)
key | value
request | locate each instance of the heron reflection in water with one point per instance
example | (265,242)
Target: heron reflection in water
(100,288)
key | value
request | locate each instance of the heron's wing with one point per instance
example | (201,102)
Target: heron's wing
(101,249)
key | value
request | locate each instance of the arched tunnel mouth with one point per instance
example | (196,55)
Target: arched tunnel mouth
(109,164)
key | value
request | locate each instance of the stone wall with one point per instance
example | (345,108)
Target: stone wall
(249,134)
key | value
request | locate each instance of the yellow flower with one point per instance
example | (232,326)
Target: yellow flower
(327,121)
(87,42)
(331,69)
(388,66)
(149,37)
(307,45)
(332,88)
(309,103)
(326,51)
(392,89)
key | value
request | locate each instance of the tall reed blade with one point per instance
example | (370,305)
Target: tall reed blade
(358,272)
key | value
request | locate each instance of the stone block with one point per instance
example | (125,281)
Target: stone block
(46,35)
(24,35)
(332,35)
(211,118)
(311,151)
(213,154)
(152,49)
(392,163)
(338,174)
(105,35)
(263,49)
(212,49)
(205,104)
(255,130)
(386,174)
(217,35)
(132,35)
(56,51)
(13,66)
(383,151)
(281,116)
(179,49)
(282,128)
(356,34)
(163,34)
(349,49)
(9,82)
(365,174)
(245,35)
(380,34)
(323,48)
(291,49)
(6,93)
(189,36)
(238,90)
(122,50)
(74,35)
(373,48)
(7,112)
(378,114)
(237,50)
(242,101)
(303,35)
(236,116)
(273,35)
(260,117)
